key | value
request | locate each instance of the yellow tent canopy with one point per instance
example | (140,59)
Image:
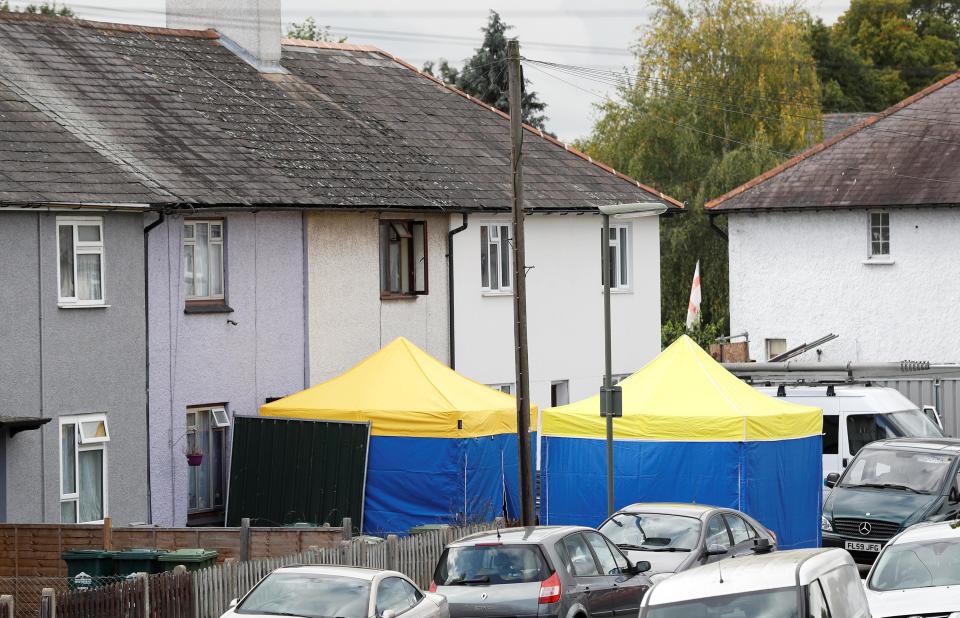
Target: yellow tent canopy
(685,395)
(403,391)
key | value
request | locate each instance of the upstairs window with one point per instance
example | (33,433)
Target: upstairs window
(496,265)
(203,260)
(80,263)
(880,235)
(403,258)
(619,249)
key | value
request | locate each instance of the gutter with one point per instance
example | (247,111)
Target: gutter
(722,233)
(146,349)
(450,295)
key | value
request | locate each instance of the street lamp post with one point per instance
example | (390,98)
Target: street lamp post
(609,403)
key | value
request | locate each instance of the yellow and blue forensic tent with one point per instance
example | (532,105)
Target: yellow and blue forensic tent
(443,448)
(691,432)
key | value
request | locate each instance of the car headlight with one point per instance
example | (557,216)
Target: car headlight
(825,524)
(659,577)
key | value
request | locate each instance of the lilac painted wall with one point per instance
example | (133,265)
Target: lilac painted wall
(200,359)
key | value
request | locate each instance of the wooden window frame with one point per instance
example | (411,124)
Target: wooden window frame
(878,226)
(411,262)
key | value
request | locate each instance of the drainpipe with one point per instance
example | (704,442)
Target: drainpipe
(450,303)
(716,228)
(146,349)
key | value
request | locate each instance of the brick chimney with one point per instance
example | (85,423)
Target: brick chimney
(251,27)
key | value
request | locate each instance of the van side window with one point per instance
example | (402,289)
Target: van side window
(816,603)
(843,590)
(831,434)
(862,429)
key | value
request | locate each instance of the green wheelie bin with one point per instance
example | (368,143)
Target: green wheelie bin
(192,559)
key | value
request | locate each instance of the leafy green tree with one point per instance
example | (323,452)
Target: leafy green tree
(47,8)
(719,88)
(704,334)
(484,75)
(308,30)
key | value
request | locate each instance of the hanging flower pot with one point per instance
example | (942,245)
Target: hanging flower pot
(194,459)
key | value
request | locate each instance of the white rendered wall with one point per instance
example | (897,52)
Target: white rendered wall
(564,306)
(348,320)
(800,276)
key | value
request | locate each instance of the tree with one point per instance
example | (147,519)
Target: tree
(47,8)
(722,90)
(308,30)
(484,75)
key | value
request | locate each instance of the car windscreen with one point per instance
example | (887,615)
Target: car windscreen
(920,564)
(897,469)
(491,564)
(653,531)
(779,603)
(309,595)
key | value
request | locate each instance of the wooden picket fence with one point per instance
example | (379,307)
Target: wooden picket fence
(166,595)
(415,556)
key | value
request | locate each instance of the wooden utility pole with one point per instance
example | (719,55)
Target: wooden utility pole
(527,516)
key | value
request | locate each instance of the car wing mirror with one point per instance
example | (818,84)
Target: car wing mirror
(715,549)
(762,546)
(388,613)
(831,480)
(640,567)
(233,603)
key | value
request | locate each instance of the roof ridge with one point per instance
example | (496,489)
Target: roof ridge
(806,154)
(455,90)
(209,33)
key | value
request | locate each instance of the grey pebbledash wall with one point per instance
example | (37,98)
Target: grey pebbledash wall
(56,362)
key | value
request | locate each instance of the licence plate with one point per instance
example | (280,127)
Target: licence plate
(860,546)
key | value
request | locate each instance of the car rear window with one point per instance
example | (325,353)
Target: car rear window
(491,564)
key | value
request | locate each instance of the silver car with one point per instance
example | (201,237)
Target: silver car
(545,571)
(343,592)
(676,537)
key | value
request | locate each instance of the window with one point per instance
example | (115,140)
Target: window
(844,591)
(206,434)
(608,566)
(879,234)
(503,388)
(816,603)
(739,529)
(559,393)
(80,262)
(717,533)
(396,594)
(775,347)
(496,265)
(203,259)
(831,434)
(403,258)
(580,557)
(83,465)
(622,563)
(619,256)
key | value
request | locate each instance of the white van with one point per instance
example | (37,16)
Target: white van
(785,584)
(856,415)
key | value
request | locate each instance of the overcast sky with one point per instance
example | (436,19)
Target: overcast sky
(596,34)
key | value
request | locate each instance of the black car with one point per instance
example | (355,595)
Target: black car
(889,486)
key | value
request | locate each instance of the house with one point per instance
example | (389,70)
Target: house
(855,236)
(295,205)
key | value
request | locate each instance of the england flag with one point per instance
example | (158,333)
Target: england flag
(693,309)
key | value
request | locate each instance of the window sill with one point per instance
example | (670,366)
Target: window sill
(207,308)
(618,290)
(81,306)
(878,261)
(497,293)
(400,296)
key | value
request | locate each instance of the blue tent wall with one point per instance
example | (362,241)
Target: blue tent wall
(414,481)
(776,482)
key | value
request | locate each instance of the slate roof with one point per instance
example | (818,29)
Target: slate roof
(108,113)
(907,155)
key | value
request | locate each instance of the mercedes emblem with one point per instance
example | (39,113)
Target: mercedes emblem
(865,528)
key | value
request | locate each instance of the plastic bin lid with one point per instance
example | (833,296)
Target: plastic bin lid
(138,554)
(188,555)
(86,553)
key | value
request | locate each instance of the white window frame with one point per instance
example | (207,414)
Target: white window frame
(192,242)
(216,424)
(503,387)
(86,247)
(766,346)
(81,444)
(624,236)
(501,244)
(880,257)
(562,386)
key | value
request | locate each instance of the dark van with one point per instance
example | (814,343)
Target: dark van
(889,486)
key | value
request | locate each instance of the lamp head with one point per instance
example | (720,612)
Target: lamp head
(634,211)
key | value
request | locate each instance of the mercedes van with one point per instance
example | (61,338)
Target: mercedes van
(856,415)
